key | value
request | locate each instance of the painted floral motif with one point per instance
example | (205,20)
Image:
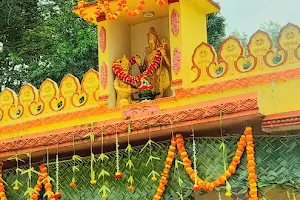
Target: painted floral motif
(102,39)
(175,22)
(176,60)
(104,75)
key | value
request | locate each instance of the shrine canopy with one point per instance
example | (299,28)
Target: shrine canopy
(138,11)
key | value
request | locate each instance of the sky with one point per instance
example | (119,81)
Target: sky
(248,15)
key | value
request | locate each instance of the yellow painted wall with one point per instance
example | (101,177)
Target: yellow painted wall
(139,39)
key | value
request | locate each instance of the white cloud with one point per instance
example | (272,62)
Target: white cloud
(248,15)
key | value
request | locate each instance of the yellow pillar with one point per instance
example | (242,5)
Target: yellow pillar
(113,43)
(192,31)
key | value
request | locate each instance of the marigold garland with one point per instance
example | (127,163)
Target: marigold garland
(165,175)
(44,179)
(134,12)
(2,184)
(246,141)
(117,69)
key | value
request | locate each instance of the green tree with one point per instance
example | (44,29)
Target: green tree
(215,30)
(15,18)
(44,39)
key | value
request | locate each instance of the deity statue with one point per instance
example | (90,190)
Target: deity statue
(160,79)
(124,91)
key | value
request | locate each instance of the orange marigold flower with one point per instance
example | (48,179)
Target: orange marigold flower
(251,169)
(227,174)
(196,187)
(131,188)
(236,159)
(73,185)
(232,169)
(217,183)
(204,183)
(222,179)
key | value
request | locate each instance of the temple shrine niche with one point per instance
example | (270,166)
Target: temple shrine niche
(151,38)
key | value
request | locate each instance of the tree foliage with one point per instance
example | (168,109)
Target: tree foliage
(44,39)
(215,30)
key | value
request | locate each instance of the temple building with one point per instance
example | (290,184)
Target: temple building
(164,117)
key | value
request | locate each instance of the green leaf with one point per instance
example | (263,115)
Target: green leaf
(129,148)
(180,195)
(19,170)
(180,182)
(288,194)
(145,146)
(151,158)
(130,180)
(30,191)
(104,189)
(47,194)
(75,168)
(91,135)
(177,162)
(76,158)
(29,171)
(222,146)
(48,179)
(93,159)
(16,183)
(93,175)
(16,158)
(102,157)
(129,164)
(103,173)
(228,186)
(3,181)
(153,173)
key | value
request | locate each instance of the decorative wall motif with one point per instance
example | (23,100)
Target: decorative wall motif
(176,60)
(104,75)
(50,97)
(289,40)
(175,22)
(281,122)
(261,55)
(238,83)
(181,115)
(140,112)
(102,39)
(205,61)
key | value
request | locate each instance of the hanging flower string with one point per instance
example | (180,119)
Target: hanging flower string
(17,184)
(246,140)
(165,174)
(117,69)
(196,187)
(129,163)
(252,178)
(75,159)
(104,190)
(91,135)
(2,184)
(57,194)
(154,174)
(118,174)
